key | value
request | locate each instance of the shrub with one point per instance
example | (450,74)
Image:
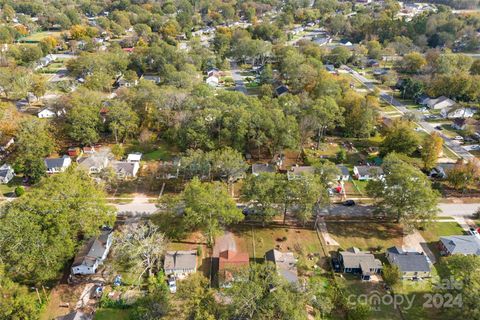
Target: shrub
(19,191)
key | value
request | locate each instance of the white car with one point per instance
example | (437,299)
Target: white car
(172,285)
(458,138)
(473,232)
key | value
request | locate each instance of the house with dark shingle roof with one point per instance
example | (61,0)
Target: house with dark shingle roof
(359,262)
(412,265)
(298,172)
(368,172)
(464,245)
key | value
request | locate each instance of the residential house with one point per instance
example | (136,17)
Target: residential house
(134,157)
(76,315)
(453,113)
(230,262)
(152,78)
(213,72)
(125,170)
(439,103)
(344,173)
(212,81)
(6,173)
(440,171)
(123,82)
(45,61)
(373,63)
(285,263)
(258,168)
(359,262)
(380,72)
(330,68)
(281,90)
(46,114)
(180,263)
(94,163)
(346,43)
(464,245)
(298,172)
(56,165)
(462,123)
(93,254)
(412,265)
(365,173)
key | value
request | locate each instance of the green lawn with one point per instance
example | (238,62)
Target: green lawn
(360,186)
(160,153)
(113,314)
(257,240)
(366,235)
(356,289)
(36,37)
(440,229)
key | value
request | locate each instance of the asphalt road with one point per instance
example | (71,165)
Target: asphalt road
(429,128)
(237,77)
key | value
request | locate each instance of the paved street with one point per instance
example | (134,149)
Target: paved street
(429,128)
(458,209)
(237,77)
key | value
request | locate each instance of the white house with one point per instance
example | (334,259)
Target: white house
(46,114)
(212,81)
(56,165)
(439,103)
(366,173)
(93,254)
(344,174)
(6,174)
(453,113)
(134,157)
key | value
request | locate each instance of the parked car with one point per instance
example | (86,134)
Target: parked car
(439,128)
(473,232)
(349,203)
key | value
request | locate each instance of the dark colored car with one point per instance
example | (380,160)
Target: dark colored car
(439,128)
(349,203)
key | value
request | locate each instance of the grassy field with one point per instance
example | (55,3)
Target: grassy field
(257,240)
(161,153)
(440,229)
(356,288)
(36,37)
(109,314)
(366,236)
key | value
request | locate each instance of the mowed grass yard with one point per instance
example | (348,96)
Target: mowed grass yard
(109,314)
(38,36)
(257,240)
(366,235)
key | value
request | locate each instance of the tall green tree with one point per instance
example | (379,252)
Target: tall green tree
(33,142)
(40,231)
(262,192)
(122,120)
(400,138)
(207,207)
(405,193)
(431,149)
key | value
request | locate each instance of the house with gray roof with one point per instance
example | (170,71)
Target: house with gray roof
(180,263)
(6,173)
(285,263)
(298,172)
(412,265)
(94,163)
(366,173)
(344,174)
(92,255)
(465,245)
(56,165)
(258,168)
(440,171)
(125,170)
(353,260)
